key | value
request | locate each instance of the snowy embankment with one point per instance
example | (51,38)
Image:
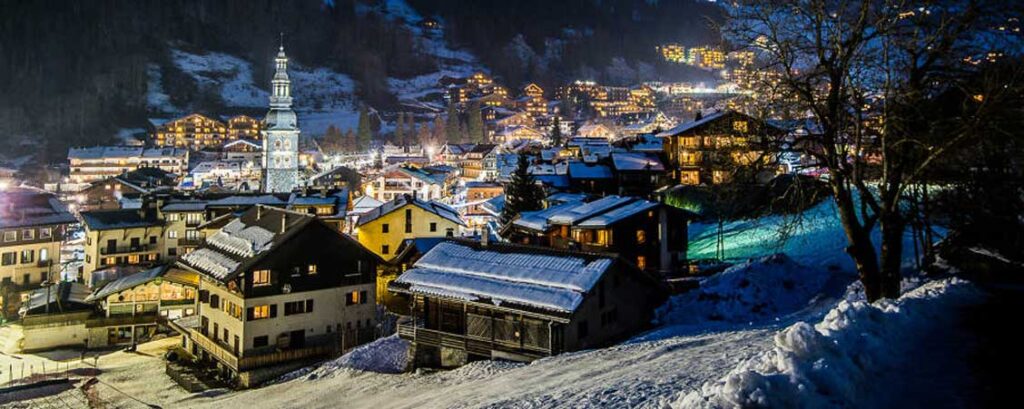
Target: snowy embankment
(752,291)
(814,238)
(840,361)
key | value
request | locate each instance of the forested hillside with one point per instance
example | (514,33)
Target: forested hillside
(74,72)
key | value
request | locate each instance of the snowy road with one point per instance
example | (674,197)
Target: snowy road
(635,374)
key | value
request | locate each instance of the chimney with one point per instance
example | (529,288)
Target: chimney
(259,212)
(284,220)
(485,238)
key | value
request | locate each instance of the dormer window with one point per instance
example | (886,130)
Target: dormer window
(260,278)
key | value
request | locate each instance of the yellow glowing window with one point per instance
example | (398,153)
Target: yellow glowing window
(260,312)
(260,278)
(312,269)
(641,237)
(641,261)
(739,126)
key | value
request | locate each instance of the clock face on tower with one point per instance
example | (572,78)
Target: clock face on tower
(281,134)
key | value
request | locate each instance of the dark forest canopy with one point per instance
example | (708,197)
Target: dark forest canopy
(76,71)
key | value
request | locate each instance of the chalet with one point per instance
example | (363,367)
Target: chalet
(472,163)
(243,149)
(596,131)
(519,132)
(476,194)
(278,288)
(360,206)
(196,131)
(649,234)
(130,309)
(384,228)
(647,124)
(637,173)
(33,225)
(406,180)
(594,179)
(121,237)
(112,193)
(712,149)
(471,300)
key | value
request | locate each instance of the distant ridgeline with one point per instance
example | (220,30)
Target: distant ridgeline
(84,72)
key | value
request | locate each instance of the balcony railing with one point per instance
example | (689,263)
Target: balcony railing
(270,355)
(487,334)
(107,250)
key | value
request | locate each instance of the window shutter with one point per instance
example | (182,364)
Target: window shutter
(309,305)
(204,296)
(362,297)
(273,310)
(248,314)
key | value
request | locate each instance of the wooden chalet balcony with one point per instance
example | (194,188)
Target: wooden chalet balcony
(318,346)
(141,248)
(191,242)
(485,334)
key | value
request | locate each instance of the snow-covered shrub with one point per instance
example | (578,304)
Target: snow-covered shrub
(833,363)
(756,290)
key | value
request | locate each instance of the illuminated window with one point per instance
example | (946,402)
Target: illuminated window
(133,259)
(260,278)
(641,237)
(739,126)
(260,312)
(312,269)
(10,235)
(641,261)
(28,234)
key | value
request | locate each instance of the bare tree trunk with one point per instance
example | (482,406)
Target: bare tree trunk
(892,226)
(860,250)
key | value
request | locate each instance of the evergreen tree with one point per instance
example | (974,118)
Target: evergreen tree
(349,143)
(364,135)
(332,141)
(475,123)
(399,131)
(451,127)
(522,194)
(556,132)
(438,132)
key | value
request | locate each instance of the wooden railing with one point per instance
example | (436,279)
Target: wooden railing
(214,349)
(481,344)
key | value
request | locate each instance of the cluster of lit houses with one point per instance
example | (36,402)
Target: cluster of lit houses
(261,269)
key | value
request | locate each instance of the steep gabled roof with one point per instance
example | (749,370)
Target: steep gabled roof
(117,219)
(399,202)
(245,241)
(502,274)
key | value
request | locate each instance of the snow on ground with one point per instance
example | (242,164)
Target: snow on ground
(322,97)
(840,361)
(753,291)
(816,239)
(156,99)
(385,355)
(452,62)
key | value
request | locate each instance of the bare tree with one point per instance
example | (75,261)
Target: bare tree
(863,70)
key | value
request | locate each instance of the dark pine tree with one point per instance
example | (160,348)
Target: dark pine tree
(364,134)
(556,132)
(522,193)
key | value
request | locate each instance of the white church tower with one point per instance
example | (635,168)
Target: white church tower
(281,134)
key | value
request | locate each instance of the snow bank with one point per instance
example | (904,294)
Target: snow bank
(753,291)
(833,363)
(385,355)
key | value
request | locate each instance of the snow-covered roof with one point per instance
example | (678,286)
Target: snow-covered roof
(693,124)
(21,207)
(538,220)
(126,282)
(529,276)
(117,219)
(363,204)
(580,170)
(615,215)
(185,206)
(101,152)
(401,201)
(248,200)
(636,161)
(244,241)
(581,212)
